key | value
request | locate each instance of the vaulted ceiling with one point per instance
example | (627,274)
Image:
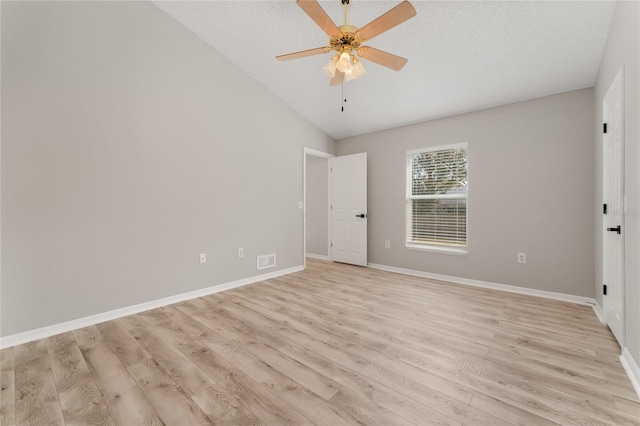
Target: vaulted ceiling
(463,55)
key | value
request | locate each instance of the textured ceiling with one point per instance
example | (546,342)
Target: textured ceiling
(463,55)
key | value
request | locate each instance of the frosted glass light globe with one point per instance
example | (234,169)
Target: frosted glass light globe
(344,63)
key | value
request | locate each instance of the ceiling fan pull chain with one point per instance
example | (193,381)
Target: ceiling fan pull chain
(344,93)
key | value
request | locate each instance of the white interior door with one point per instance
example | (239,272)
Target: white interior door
(613,197)
(349,209)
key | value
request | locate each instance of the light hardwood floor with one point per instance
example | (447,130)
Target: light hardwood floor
(332,345)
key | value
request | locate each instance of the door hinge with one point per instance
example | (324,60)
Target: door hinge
(604,289)
(604,127)
(331,244)
(604,208)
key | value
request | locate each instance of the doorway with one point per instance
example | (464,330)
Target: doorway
(317,193)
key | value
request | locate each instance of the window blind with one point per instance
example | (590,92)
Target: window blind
(437,191)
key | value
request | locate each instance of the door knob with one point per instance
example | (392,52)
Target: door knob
(616,229)
(362,215)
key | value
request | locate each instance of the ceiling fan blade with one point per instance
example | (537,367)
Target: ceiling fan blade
(320,17)
(304,53)
(383,58)
(386,21)
(337,79)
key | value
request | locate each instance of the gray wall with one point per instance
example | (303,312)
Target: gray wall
(530,190)
(317,203)
(128,148)
(623,49)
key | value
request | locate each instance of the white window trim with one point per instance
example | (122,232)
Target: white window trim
(447,249)
(444,249)
(438,148)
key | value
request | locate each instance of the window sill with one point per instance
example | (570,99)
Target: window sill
(437,249)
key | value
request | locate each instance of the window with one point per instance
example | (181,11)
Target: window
(437,190)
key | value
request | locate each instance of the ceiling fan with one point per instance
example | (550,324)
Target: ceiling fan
(347,40)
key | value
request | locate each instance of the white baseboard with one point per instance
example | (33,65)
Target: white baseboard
(599,312)
(632,369)
(317,256)
(485,284)
(52,330)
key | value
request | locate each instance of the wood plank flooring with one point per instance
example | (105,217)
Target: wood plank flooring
(332,345)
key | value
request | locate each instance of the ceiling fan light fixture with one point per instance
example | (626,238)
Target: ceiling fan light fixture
(349,75)
(356,71)
(330,68)
(344,63)
(358,68)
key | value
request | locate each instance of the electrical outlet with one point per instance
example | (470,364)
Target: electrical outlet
(203,257)
(387,244)
(522,258)
(240,252)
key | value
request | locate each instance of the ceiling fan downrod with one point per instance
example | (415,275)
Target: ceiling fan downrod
(345,3)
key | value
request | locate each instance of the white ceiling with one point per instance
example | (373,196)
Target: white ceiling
(463,55)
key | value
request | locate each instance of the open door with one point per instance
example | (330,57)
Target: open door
(614,208)
(349,209)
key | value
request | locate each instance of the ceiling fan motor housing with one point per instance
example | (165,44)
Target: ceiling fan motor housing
(348,41)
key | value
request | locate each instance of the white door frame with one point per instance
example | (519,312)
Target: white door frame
(321,154)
